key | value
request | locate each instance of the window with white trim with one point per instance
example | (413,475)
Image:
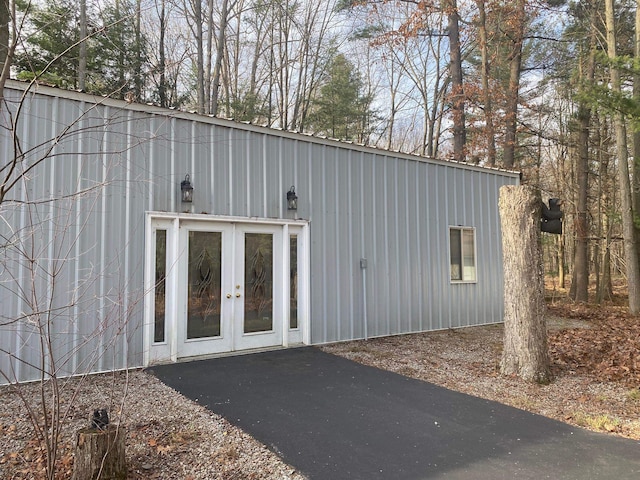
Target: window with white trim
(462,254)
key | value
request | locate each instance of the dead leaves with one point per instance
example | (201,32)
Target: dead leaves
(609,350)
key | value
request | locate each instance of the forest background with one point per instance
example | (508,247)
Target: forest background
(549,88)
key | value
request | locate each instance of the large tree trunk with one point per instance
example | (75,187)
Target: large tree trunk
(215,83)
(525,333)
(198,30)
(7,47)
(628,229)
(636,135)
(457,89)
(162,65)
(580,278)
(513,93)
(486,92)
(82,61)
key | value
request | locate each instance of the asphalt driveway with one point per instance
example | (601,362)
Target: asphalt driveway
(334,419)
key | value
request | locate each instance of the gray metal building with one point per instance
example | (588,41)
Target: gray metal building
(103,258)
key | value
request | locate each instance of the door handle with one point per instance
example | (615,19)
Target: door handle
(238,295)
(228,295)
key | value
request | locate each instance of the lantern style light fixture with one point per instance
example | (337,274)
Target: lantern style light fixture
(187,189)
(292,199)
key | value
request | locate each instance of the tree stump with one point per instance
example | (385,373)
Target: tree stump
(99,454)
(525,350)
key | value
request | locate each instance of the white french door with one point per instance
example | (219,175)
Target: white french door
(258,283)
(223,286)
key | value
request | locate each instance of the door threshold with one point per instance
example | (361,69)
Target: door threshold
(236,353)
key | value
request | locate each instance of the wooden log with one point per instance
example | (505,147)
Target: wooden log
(99,454)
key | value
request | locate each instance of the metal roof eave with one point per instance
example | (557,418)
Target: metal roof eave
(150,109)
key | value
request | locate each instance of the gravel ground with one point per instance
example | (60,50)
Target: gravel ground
(168,436)
(171,437)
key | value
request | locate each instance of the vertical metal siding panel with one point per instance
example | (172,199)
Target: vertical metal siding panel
(469,291)
(182,164)
(440,256)
(254,182)
(484,295)
(475,308)
(405,230)
(7,300)
(139,166)
(113,255)
(310,180)
(25,346)
(473,207)
(291,175)
(304,185)
(423,223)
(88,268)
(161,173)
(454,298)
(200,166)
(91,243)
(354,223)
(414,257)
(289,161)
(493,250)
(319,250)
(238,172)
(152,163)
(67,331)
(456,295)
(332,236)
(392,228)
(220,171)
(344,243)
(368,242)
(483,268)
(362,249)
(273,195)
(382,247)
(375,311)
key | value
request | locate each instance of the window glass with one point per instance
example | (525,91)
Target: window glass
(293,282)
(161,273)
(258,282)
(456,254)
(204,284)
(469,257)
(463,256)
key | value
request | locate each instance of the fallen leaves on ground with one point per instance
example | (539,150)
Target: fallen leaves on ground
(609,350)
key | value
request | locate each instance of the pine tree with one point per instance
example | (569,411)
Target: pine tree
(52,50)
(340,110)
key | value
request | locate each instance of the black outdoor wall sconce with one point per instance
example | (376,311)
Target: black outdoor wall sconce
(187,189)
(292,199)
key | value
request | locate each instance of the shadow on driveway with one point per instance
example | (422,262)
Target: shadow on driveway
(334,419)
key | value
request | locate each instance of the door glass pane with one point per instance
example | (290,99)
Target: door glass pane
(293,281)
(161,273)
(204,284)
(258,282)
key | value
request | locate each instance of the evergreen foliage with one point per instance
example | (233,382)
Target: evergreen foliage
(341,110)
(51,52)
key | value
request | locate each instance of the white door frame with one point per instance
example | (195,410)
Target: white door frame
(168,350)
